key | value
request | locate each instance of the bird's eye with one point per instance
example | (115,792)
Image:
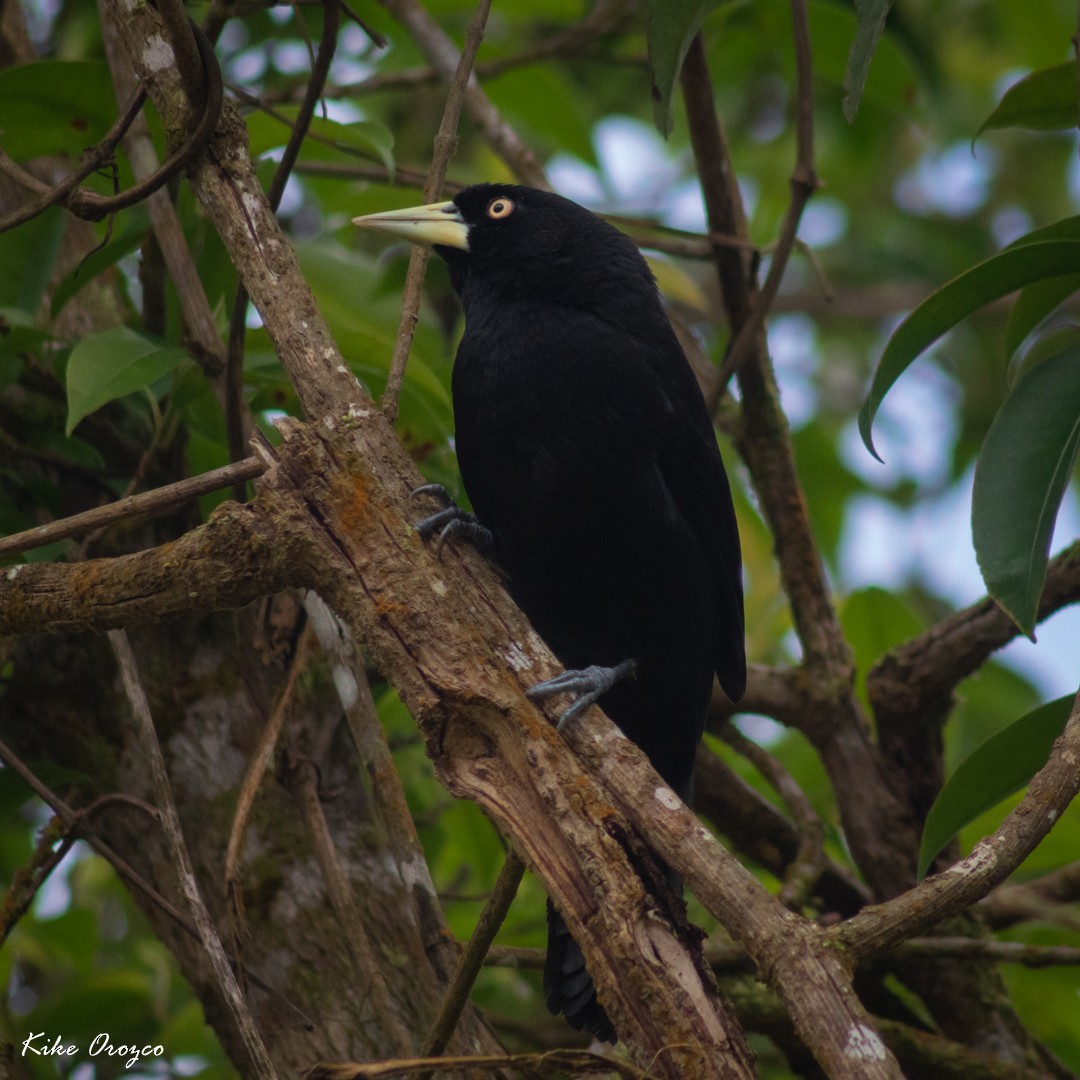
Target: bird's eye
(500,208)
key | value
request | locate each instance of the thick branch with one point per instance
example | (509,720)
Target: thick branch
(240,554)
(790,953)
(446,635)
(913,684)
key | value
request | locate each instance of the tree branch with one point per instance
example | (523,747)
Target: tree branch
(913,684)
(880,928)
(790,953)
(133,506)
(239,555)
(259,1063)
(442,54)
(444,149)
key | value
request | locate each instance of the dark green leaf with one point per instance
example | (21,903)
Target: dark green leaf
(1043,101)
(891,82)
(992,279)
(54,106)
(14,790)
(1038,300)
(1033,305)
(671,27)
(18,335)
(28,254)
(109,365)
(134,230)
(1002,765)
(1046,345)
(871,15)
(364,138)
(1020,478)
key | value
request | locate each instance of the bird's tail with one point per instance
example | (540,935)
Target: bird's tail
(568,986)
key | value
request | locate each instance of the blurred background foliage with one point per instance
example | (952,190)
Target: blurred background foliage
(910,199)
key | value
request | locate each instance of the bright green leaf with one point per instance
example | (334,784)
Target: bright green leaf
(989,280)
(671,27)
(1020,478)
(875,621)
(1043,101)
(1002,765)
(871,15)
(111,364)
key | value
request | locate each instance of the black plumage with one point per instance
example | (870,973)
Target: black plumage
(587,451)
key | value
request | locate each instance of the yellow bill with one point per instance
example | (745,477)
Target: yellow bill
(438,223)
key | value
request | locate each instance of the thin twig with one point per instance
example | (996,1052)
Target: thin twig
(204,344)
(445,146)
(804,183)
(303,783)
(133,506)
(75,822)
(258,763)
(472,959)
(443,56)
(94,207)
(805,869)
(605,18)
(92,161)
(1007,952)
(553,1062)
(237,429)
(260,1064)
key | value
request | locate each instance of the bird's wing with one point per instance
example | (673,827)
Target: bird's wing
(694,474)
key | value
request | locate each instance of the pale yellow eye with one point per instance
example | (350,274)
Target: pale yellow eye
(500,208)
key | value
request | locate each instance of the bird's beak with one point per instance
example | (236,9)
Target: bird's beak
(439,223)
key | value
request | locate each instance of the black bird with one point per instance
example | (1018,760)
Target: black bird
(589,457)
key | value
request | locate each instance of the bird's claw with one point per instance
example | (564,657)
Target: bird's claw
(590,683)
(451,521)
(435,490)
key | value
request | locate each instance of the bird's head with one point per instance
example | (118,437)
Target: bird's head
(522,242)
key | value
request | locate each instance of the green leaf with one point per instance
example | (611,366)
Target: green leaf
(1043,101)
(1038,300)
(871,15)
(542,100)
(670,28)
(1001,766)
(53,106)
(101,259)
(1042,348)
(364,138)
(30,250)
(1033,305)
(1020,478)
(109,365)
(989,280)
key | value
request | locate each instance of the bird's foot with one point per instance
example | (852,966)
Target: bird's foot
(590,683)
(451,521)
